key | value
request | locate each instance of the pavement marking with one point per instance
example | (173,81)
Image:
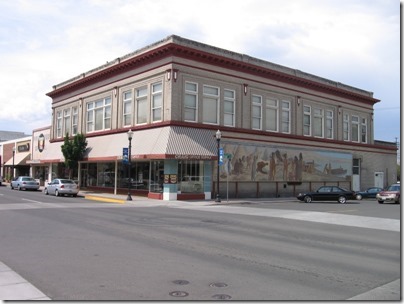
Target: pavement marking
(311,216)
(387,292)
(104,199)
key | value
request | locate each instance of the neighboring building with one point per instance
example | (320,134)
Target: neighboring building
(10,135)
(15,155)
(283,130)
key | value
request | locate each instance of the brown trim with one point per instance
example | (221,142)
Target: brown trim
(174,49)
(190,196)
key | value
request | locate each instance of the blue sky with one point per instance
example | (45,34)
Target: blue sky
(45,42)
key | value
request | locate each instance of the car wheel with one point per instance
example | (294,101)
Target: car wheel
(342,199)
(11,186)
(57,192)
(74,195)
(307,199)
(358,197)
(19,188)
(381,202)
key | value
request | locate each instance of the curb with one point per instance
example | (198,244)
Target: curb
(104,199)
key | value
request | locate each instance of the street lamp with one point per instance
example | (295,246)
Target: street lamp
(130,135)
(218,137)
(12,172)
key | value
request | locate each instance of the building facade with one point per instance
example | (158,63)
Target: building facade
(283,130)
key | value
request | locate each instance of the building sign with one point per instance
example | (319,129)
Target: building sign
(170,178)
(41,142)
(23,148)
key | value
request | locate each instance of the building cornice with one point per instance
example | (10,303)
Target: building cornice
(175,46)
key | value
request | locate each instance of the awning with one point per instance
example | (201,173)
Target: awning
(166,142)
(51,154)
(19,159)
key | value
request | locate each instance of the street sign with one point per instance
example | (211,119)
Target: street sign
(125,156)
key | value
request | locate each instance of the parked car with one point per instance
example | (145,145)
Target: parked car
(327,193)
(368,193)
(24,182)
(391,194)
(62,186)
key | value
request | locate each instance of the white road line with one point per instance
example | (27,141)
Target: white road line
(42,203)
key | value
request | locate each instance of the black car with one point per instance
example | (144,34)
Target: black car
(368,193)
(327,193)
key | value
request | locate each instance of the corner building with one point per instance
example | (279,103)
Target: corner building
(283,130)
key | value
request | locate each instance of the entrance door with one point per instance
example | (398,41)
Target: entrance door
(379,179)
(83,179)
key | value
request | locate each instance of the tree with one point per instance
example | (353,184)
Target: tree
(73,150)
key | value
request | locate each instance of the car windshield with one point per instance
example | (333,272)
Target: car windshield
(394,188)
(66,181)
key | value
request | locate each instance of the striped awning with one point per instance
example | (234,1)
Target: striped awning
(19,159)
(158,143)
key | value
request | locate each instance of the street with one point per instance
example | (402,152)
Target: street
(76,249)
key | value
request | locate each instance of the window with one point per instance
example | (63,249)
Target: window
(355,166)
(210,113)
(229,107)
(285,116)
(346,127)
(272,115)
(157,101)
(364,131)
(318,122)
(191,102)
(99,115)
(306,120)
(75,121)
(141,105)
(256,112)
(355,128)
(66,121)
(329,124)
(127,108)
(59,124)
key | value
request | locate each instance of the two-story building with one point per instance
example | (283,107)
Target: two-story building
(283,130)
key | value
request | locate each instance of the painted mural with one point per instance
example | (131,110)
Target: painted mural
(271,163)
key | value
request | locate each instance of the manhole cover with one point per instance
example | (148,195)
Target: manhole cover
(178,294)
(221,297)
(181,282)
(218,285)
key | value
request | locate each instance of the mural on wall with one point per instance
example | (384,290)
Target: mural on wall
(271,163)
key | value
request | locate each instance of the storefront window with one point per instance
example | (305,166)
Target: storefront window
(191,176)
(155,182)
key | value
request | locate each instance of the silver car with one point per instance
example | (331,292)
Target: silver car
(24,182)
(62,186)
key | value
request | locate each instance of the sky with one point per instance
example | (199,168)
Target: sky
(46,42)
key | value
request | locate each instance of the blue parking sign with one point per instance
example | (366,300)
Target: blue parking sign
(125,156)
(221,154)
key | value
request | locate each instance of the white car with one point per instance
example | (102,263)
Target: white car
(24,182)
(62,186)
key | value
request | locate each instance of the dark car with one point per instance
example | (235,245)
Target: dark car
(327,193)
(391,194)
(24,182)
(368,193)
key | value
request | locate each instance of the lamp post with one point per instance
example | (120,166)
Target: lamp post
(218,137)
(12,172)
(130,135)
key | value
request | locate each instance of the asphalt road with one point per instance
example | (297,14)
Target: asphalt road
(74,249)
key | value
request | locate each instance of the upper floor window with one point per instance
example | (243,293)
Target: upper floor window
(191,102)
(285,116)
(99,115)
(318,122)
(59,124)
(306,120)
(364,131)
(210,113)
(141,105)
(157,101)
(75,121)
(67,121)
(329,124)
(345,126)
(272,113)
(127,108)
(229,107)
(256,112)
(355,128)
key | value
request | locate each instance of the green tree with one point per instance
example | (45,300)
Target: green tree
(73,151)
